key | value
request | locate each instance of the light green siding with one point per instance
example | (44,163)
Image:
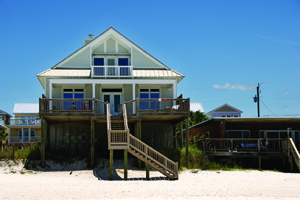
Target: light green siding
(99,49)
(57,92)
(110,46)
(166,93)
(81,60)
(122,49)
(140,60)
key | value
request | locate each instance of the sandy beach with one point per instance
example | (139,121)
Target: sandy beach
(18,183)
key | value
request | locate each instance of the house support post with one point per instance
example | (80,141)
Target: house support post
(259,157)
(111,164)
(174,136)
(139,136)
(181,135)
(147,172)
(125,165)
(92,143)
(187,141)
(44,128)
(290,157)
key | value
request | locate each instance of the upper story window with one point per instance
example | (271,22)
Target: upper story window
(111,66)
(111,61)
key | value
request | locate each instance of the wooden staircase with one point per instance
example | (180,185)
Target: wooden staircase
(119,137)
(292,149)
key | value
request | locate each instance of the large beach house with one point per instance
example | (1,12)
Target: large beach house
(111,94)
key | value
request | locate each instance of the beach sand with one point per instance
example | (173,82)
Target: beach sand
(53,183)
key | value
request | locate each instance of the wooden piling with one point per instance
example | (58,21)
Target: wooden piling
(147,172)
(139,136)
(181,135)
(187,141)
(125,164)
(111,164)
(92,143)
(44,128)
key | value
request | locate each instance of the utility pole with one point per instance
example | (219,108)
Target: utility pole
(256,100)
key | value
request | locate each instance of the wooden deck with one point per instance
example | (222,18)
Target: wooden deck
(76,110)
(254,147)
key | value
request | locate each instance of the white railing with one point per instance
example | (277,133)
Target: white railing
(24,139)
(2,122)
(111,71)
(21,121)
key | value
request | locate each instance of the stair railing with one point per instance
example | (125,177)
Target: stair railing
(108,124)
(294,150)
(153,155)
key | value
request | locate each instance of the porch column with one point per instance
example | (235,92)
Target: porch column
(94,92)
(175,90)
(22,134)
(50,95)
(133,98)
(29,134)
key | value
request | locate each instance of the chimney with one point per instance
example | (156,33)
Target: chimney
(89,39)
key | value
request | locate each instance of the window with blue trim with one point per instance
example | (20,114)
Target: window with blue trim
(149,94)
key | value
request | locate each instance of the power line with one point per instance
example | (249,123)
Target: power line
(268,108)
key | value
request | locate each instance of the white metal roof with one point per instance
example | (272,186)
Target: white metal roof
(80,73)
(194,107)
(26,108)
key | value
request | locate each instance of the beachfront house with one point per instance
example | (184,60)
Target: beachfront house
(25,127)
(111,94)
(238,137)
(4,120)
(224,111)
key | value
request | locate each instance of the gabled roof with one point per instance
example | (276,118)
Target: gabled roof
(110,31)
(26,108)
(4,113)
(221,109)
(194,107)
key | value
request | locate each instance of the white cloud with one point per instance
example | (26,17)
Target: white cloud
(283,95)
(228,86)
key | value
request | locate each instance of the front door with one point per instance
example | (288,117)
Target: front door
(115,99)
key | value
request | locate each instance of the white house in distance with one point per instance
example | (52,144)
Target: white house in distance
(25,127)
(194,107)
(107,91)
(224,111)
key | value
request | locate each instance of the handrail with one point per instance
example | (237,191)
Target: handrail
(153,155)
(108,121)
(294,151)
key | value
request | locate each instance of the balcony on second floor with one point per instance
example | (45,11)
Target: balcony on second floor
(25,122)
(112,71)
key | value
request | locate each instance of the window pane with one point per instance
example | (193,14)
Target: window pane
(144,96)
(123,61)
(111,62)
(78,95)
(124,71)
(99,61)
(68,95)
(100,71)
(154,95)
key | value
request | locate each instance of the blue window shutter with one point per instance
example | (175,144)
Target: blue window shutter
(99,61)
(123,61)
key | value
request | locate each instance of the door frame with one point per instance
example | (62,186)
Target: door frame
(111,98)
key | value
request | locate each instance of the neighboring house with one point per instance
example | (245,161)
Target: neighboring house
(25,127)
(261,138)
(4,120)
(194,107)
(109,69)
(224,111)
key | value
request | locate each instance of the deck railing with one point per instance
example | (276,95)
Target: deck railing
(24,121)
(154,156)
(294,151)
(112,71)
(162,105)
(245,145)
(24,139)
(2,122)
(93,106)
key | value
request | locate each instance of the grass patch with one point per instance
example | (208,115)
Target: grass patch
(197,160)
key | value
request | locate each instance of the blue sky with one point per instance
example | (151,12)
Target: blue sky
(224,48)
